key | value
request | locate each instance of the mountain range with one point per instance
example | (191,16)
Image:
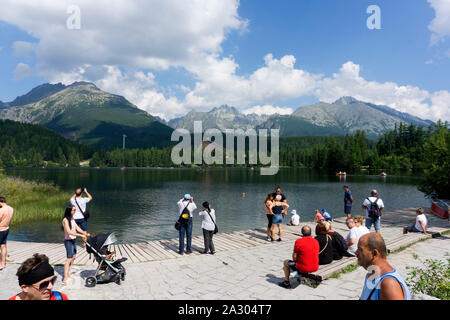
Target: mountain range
(223,117)
(84,113)
(344,116)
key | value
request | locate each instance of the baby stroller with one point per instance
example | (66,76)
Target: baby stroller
(108,270)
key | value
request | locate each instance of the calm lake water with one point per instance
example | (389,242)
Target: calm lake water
(140,204)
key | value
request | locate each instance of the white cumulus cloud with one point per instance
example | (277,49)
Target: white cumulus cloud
(268,109)
(440,25)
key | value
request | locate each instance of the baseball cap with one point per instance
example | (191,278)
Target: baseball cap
(187,196)
(323,209)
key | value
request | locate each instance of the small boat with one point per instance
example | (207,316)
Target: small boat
(383,174)
(440,208)
(123,168)
(340,173)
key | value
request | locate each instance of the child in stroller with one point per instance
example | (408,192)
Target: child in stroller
(109,268)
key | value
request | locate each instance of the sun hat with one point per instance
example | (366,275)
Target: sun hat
(294,212)
(187,196)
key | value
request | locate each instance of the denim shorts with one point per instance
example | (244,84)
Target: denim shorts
(3,236)
(414,229)
(277,219)
(71,248)
(376,223)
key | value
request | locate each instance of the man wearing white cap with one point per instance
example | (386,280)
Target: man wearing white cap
(186,207)
(295,219)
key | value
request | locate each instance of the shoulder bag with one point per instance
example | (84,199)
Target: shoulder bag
(86,213)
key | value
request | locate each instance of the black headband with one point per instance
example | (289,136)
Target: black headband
(42,271)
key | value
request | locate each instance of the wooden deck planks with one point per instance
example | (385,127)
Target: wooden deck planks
(168,249)
(158,252)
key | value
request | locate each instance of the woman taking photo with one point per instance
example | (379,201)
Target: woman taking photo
(208,227)
(71,232)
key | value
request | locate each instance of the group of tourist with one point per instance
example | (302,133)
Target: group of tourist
(186,207)
(36,276)
(369,248)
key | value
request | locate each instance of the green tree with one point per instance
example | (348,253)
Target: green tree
(437,155)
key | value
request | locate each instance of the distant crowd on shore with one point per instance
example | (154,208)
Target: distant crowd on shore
(36,276)
(328,245)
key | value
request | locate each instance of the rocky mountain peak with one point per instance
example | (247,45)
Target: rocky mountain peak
(346,100)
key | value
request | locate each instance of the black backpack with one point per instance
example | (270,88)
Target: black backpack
(374,211)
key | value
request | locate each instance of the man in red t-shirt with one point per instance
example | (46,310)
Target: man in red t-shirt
(36,279)
(305,258)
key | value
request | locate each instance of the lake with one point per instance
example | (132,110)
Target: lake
(140,204)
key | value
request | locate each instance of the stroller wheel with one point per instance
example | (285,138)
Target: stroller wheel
(91,282)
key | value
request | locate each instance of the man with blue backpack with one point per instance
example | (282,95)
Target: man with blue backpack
(374,207)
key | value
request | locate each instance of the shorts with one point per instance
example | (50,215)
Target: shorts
(3,236)
(277,219)
(376,223)
(71,248)
(292,265)
(414,229)
(347,209)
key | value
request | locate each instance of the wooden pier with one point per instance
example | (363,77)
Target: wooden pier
(391,230)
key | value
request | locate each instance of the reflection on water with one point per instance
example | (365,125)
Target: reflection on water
(140,204)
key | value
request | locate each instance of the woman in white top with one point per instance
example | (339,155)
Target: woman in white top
(208,226)
(71,232)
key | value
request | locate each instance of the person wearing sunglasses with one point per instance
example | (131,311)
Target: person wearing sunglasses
(36,279)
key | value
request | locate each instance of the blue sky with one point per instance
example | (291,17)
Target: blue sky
(399,65)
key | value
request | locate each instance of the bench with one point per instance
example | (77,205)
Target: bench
(326,271)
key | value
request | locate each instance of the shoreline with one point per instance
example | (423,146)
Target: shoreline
(167,248)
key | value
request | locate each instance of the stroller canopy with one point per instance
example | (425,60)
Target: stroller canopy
(101,240)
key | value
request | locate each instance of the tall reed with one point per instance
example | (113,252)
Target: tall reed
(33,201)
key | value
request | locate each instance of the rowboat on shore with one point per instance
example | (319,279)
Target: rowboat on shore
(440,208)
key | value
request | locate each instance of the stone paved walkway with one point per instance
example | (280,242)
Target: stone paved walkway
(248,273)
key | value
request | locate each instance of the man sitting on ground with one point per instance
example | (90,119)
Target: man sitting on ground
(326,215)
(305,258)
(420,225)
(36,279)
(295,219)
(382,282)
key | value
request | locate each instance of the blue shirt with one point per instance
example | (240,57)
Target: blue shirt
(347,201)
(375,286)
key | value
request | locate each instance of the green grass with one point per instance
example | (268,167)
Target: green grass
(33,201)
(402,248)
(347,269)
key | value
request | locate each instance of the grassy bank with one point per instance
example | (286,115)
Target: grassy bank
(33,201)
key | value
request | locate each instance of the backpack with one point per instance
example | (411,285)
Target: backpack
(374,211)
